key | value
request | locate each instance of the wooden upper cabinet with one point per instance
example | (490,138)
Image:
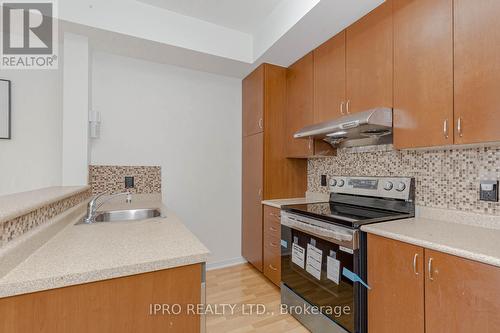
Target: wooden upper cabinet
(369,56)
(253,159)
(299,106)
(477,71)
(423,73)
(329,79)
(283,177)
(461,296)
(396,278)
(253,102)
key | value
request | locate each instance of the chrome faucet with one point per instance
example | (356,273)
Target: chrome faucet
(93,206)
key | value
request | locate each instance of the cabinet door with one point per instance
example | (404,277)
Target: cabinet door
(253,102)
(396,278)
(299,112)
(251,199)
(329,79)
(369,56)
(461,296)
(423,73)
(477,70)
(283,177)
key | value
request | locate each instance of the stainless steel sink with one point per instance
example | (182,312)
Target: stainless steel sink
(126,215)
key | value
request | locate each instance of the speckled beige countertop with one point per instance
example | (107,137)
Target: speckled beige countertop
(14,205)
(309,198)
(79,254)
(469,241)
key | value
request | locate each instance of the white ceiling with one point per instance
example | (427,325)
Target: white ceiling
(281,30)
(241,15)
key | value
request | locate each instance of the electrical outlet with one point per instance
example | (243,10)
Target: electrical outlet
(129,182)
(488,190)
(323,180)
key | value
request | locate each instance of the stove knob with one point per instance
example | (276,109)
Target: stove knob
(341,182)
(401,187)
(333,182)
(388,186)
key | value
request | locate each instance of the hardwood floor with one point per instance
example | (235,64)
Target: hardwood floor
(241,285)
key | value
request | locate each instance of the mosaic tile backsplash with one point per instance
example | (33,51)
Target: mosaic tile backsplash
(20,225)
(445,178)
(147,179)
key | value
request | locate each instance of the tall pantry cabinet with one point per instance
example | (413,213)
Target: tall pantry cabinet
(267,173)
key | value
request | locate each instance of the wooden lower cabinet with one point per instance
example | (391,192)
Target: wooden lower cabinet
(396,298)
(461,295)
(272,241)
(119,305)
(267,172)
(458,295)
(253,159)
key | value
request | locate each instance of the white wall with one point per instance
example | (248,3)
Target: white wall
(189,123)
(32,159)
(75,150)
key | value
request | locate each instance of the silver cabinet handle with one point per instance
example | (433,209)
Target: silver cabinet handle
(347,106)
(275,215)
(415,270)
(445,129)
(261,123)
(342,108)
(260,193)
(273,244)
(459,127)
(272,267)
(429,267)
(310,144)
(273,229)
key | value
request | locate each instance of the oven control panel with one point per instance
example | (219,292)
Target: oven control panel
(383,187)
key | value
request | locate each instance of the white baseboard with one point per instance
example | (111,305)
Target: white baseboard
(225,263)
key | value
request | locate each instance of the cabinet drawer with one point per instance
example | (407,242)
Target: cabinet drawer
(272,221)
(272,242)
(272,264)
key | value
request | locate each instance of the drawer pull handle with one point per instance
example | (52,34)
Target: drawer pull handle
(272,267)
(273,229)
(415,264)
(273,244)
(459,127)
(275,215)
(430,269)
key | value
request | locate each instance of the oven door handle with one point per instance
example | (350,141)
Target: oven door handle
(342,239)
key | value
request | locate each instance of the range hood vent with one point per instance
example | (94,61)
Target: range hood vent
(367,128)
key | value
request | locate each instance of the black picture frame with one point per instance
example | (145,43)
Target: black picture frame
(9,112)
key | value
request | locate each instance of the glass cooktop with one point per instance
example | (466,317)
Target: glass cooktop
(346,215)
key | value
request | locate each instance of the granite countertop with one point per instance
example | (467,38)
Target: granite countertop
(14,205)
(477,243)
(309,198)
(86,253)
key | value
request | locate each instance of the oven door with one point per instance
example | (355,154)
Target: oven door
(337,297)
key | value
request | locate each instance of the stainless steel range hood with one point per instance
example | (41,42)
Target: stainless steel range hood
(372,127)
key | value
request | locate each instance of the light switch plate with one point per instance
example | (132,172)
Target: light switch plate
(129,182)
(323,180)
(488,190)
